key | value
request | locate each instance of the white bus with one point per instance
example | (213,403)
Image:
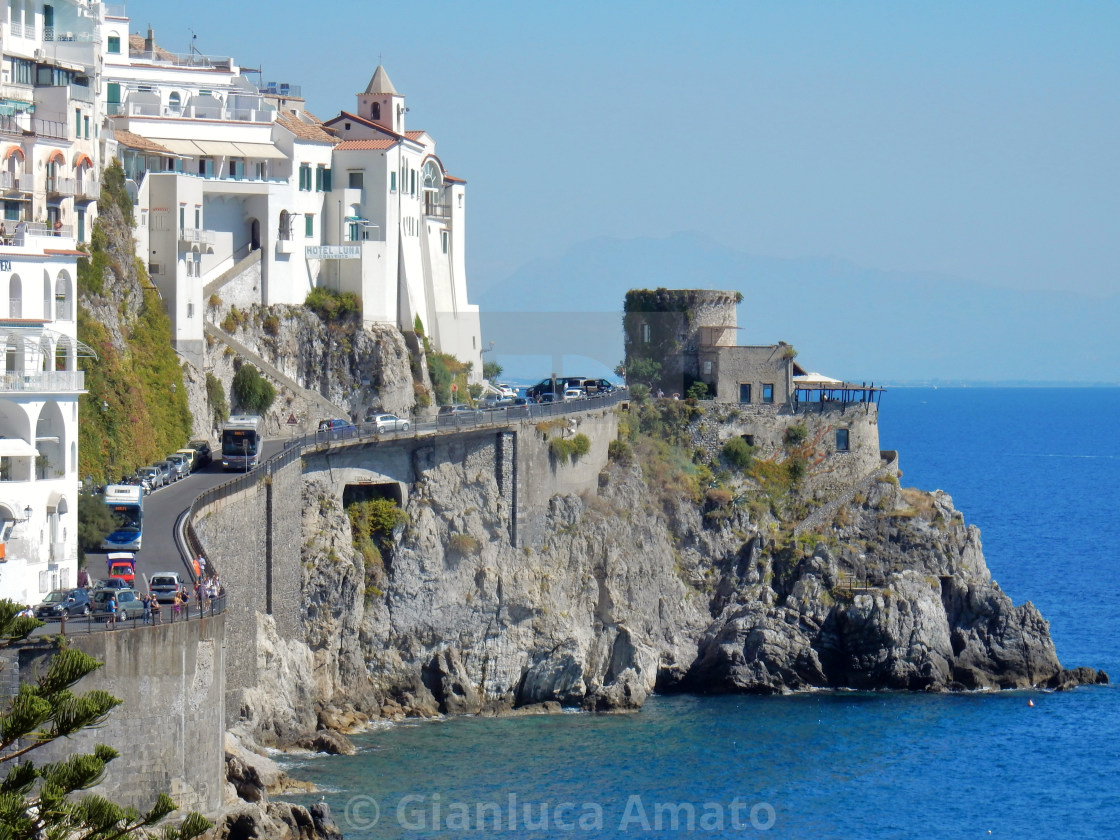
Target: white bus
(242,441)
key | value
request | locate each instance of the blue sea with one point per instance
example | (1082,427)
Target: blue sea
(1037,470)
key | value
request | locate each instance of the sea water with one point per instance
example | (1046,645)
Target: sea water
(1036,470)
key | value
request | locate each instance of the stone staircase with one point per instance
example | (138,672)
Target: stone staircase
(327,408)
(235,270)
(826,512)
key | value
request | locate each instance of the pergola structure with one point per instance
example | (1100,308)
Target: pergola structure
(817,388)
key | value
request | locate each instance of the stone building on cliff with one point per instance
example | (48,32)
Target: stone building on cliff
(685,341)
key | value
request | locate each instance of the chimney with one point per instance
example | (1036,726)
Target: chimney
(150,41)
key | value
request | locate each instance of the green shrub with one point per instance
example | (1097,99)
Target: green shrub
(271,325)
(738,453)
(796,467)
(252,392)
(216,398)
(331,305)
(620,451)
(697,391)
(569,449)
(796,435)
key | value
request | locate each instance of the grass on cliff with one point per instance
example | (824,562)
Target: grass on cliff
(372,522)
(136,409)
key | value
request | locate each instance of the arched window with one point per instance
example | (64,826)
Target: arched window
(285,225)
(48,298)
(63,308)
(174,102)
(15,297)
(64,354)
(13,356)
(433,186)
(375,110)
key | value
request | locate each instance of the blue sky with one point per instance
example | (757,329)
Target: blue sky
(974,141)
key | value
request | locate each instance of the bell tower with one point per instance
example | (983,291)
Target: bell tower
(380,103)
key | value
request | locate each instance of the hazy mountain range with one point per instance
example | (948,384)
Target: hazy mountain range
(845,321)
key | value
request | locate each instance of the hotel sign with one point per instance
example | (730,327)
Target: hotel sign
(5,265)
(334,252)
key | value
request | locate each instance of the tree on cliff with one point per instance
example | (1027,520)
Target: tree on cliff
(37,801)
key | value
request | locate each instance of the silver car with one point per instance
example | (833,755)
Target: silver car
(179,464)
(153,477)
(390,423)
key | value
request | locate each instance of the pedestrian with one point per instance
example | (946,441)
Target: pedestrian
(147,599)
(176,604)
(111,621)
(154,601)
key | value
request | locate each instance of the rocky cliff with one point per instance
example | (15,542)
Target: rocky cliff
(637,588)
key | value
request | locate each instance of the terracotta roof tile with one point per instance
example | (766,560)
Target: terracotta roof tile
(136,45)
(141,144)
(346,115)
(415,135)
(305,131)
(447,177)
(355,145)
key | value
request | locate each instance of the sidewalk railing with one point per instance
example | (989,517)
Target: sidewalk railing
(97,622)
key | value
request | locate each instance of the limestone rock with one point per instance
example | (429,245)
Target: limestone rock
(326,741)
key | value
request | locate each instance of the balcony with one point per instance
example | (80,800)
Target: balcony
(49,128)
(196,236)
(15,182)
(18,92)
(439,211)
(282,89)
(61,186)
(193,112)
(43,381)
(87,189)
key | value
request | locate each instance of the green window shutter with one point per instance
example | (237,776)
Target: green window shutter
(114,45)
(77,123)
(309,224)
(327,180)
(392,182)
(318,179)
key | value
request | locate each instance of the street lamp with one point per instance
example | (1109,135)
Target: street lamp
(26,513)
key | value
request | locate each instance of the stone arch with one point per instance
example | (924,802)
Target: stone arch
(254,234)
(50,440)
(15,426)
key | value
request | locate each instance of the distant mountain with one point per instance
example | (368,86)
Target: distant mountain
(845,321)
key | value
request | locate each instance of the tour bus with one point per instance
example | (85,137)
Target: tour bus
(126,504)
(242,441)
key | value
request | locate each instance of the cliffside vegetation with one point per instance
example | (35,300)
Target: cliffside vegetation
(136,410)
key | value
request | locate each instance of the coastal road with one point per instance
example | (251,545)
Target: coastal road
(161,509)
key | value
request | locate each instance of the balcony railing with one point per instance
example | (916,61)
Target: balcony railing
(196,236)
(15,182)
(16,29)
(21,93)
(193,112)
(47,380)
(61,186)
(49,128)
(62,310)
(88,188)
(215,62)
(282,89)
(441,211)
(44,229)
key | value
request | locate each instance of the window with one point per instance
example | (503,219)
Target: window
(197,218)
(305,176)
(412,180)
(190,307)
(392,182)
(443,237)
(173,102)
(308,224)
(355,180)
(319,178)
(86,122)
(77,123)
(707,367)
(645,333)
(744,392)
(328,181)
(767,392)
(841,440)
(374,111)
(114,45)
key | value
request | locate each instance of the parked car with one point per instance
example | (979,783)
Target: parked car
(63,602)
(390,423)
(548,397)
(152,477)
(165,586)
(203,456)
(574,394)
(179,464)
(164,470)
(111,582)
(129,604)
(187,453)
(337,429)
(504,389)
(457,413)
(598,386)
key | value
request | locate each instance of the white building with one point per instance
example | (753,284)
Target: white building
(49,118)
(236,180)
(39,389)
(394,201)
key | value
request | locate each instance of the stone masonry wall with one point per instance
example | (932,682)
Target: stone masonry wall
(253,538)
(170,725)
